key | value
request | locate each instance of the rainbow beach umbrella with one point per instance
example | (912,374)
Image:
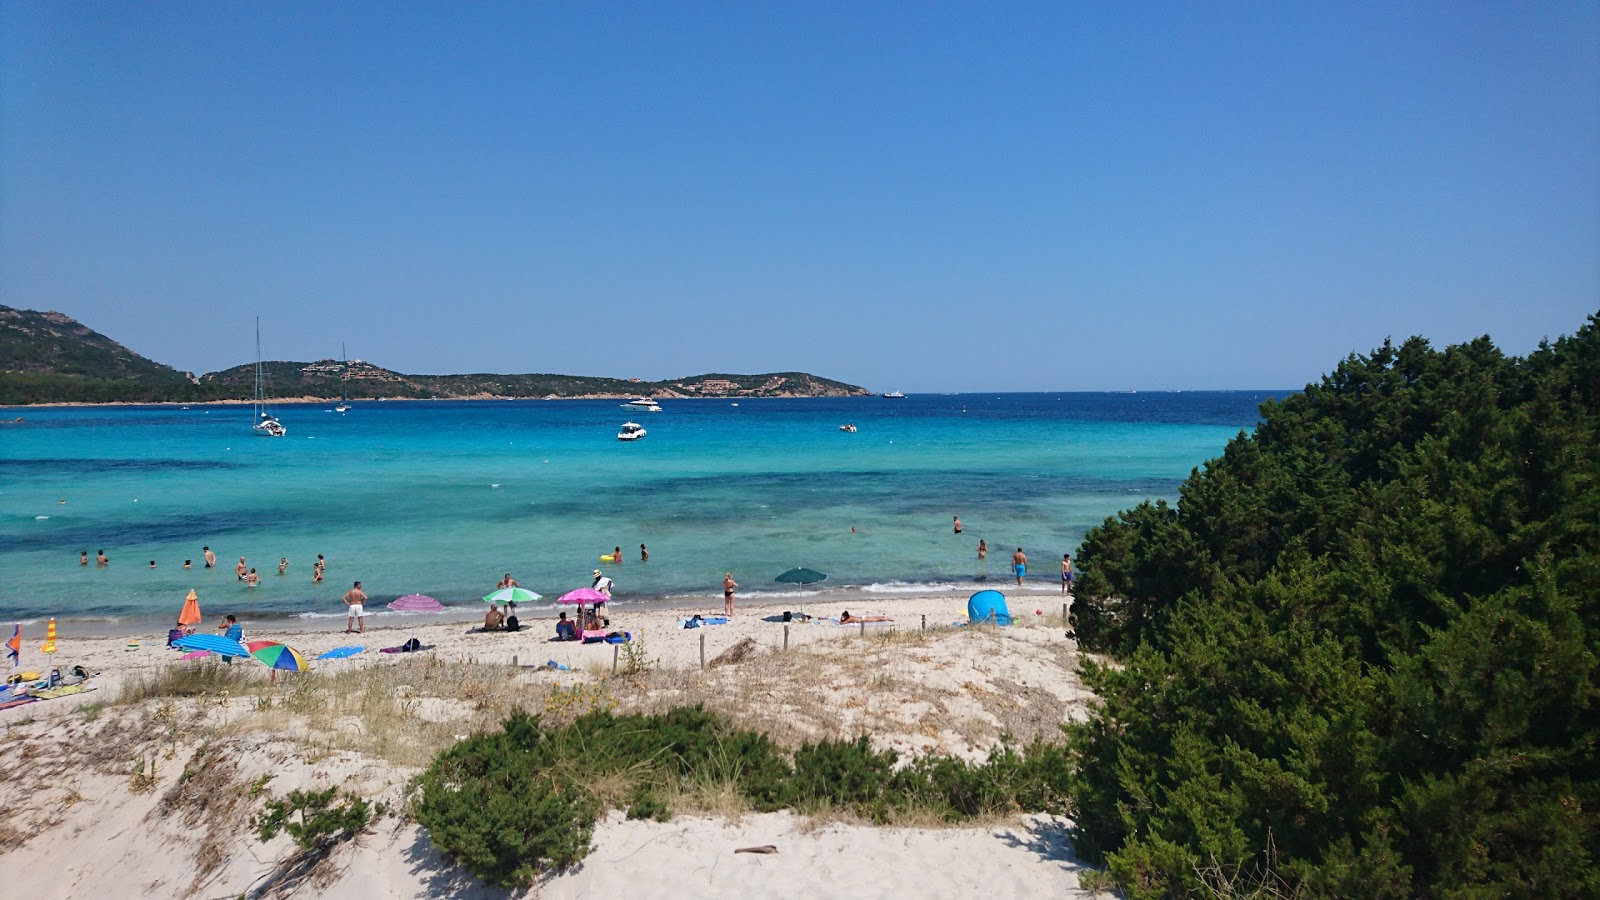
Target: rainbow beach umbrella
(279,656)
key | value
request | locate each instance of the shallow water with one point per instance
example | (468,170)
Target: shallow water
(443,497)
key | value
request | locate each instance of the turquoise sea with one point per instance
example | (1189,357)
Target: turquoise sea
(443,498)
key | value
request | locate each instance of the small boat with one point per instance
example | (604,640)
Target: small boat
(850,427)
(631,431)
(894,395)
(266,424)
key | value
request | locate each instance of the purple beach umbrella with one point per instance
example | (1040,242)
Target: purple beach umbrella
(416,603)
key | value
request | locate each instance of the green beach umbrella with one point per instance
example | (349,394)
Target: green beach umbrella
(801,576)
(512,595)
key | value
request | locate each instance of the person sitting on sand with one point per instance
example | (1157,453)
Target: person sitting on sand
(565,629)
(846,619)
(493,619)
(231,629)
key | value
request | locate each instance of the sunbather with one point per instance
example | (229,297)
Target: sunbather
(565,629)
(846,619)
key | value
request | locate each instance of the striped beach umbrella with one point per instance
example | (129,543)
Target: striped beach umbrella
(49,637)
(512,595)
(416,603)
(279,656)
(216,643)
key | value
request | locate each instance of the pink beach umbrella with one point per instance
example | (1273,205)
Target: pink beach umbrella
(416,603)
(580,597)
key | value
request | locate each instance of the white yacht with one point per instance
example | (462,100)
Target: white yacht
(894,395)
(644,403)
(631,431)
(266,424)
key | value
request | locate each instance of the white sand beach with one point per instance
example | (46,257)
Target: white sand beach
(112,795)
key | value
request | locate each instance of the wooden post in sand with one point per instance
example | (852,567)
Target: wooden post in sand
(614,650)
(924,621)
(863,629)
(1063,615)
(513,660)
(786,638)
(702,650)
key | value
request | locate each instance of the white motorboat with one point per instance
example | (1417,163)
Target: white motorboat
(849,426)
(266,424)
(894,395)
(631,431)
(642,403)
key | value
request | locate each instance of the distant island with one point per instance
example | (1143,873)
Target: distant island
(48,357)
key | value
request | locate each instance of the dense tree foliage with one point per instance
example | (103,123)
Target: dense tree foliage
(1359,657)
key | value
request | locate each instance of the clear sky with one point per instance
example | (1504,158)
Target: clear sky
(923,196)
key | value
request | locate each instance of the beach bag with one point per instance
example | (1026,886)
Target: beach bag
(411,646)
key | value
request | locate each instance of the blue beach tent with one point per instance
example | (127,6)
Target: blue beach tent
(987,606)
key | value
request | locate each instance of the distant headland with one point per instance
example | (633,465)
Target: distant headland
(51,358)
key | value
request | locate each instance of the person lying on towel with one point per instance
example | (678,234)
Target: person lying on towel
(846,619)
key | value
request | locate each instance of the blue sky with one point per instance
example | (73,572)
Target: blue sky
(927,196)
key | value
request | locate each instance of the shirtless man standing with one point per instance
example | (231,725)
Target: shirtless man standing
(1019,564)
(356,599)
(240,569)
(211,558)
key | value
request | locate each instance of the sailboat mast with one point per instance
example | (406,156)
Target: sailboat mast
(258,368)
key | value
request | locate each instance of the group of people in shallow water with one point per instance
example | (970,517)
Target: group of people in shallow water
(1019,561)
(245,573)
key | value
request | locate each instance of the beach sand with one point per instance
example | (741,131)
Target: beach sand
(113,796)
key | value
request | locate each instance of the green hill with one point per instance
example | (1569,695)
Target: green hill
(51,358)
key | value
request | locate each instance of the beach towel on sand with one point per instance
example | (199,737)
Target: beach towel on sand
(341,652)
(410,646)
(697,621)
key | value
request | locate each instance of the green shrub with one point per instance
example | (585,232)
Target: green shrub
(515,803)
(318,817)
(491,803)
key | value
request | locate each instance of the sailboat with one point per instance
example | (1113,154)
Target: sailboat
(344,381)
(266,424)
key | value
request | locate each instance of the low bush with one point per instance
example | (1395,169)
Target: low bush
(513,804)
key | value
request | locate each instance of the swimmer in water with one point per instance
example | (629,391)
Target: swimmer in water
(240,569)
(211,558)
(252,579)
(644,555)
(83,557)
(100,559)
(187,564)
(152,564)
(283,564)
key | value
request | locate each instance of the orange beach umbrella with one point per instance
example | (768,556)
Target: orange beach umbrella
(191,610)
